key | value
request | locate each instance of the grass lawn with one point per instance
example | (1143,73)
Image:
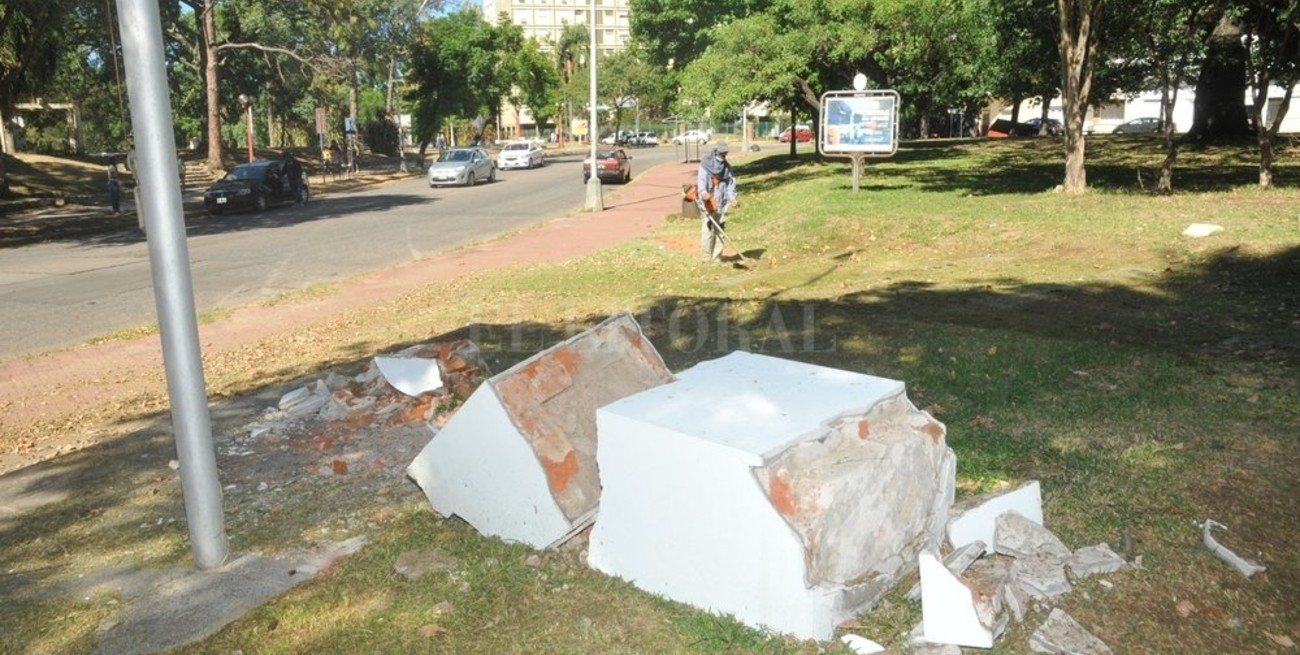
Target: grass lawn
(1147,379)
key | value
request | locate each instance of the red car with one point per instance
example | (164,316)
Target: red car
(804,134)
(612,165)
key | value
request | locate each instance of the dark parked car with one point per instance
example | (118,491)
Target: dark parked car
(1054,127)
(612,165)
(1145,125)
(258,185)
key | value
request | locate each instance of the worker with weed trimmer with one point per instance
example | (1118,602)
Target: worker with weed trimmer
(715,194)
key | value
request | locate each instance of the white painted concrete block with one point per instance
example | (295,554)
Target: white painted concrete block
(952,612)
(789,495)
(518,459)
(976,519)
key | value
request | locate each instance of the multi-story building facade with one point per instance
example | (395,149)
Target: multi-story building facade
(545,20)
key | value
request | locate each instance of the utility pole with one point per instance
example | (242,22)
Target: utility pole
(595,199)
(151,120)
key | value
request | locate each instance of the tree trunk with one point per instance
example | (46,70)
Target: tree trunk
(1080,25)
(1219,112)
(1266,132)
(1168,96)
(208,47)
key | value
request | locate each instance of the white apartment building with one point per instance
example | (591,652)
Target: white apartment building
(545,20)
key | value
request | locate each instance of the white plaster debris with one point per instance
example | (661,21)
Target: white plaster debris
(410,375)
(1091,560)
(1201,230)
(1041,576)
(917,645)
(305,401)
(1016,535)
(859,645)
(957,562)
(1061,634)
(953,613)
(976,519)
(1244,566)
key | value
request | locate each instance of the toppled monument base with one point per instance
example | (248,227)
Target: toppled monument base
(789,495)
(518,460)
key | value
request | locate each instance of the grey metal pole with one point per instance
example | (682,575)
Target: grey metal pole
(151,121)
(595,199)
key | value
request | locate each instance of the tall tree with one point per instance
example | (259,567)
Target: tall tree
(1080,29)
(1219,111)
(453,69)
(673,33)
(31,40)
(1026,34)
(533,82)
(1272,44)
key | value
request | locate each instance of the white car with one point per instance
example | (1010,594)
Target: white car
(643,139)
(698,137)
(521,154)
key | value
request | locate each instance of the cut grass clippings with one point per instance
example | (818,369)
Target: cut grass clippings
(1148,380)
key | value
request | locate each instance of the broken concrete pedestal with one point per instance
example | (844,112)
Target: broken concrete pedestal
(789,495)
(518,460)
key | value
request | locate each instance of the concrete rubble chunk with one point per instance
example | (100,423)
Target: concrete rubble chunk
(789,495)
(518,459)
(1246,567)
(1060,633)
(410,375)
(305,401)
(956,562)
(917,645)
(1041,576)
(1201,230)
(859,645)
(1018,536)
(1092,560)
(975,519)
(952,612)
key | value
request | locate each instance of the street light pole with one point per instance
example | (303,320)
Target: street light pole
(595,200)
(247,104)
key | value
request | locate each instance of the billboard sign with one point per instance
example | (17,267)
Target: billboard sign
(860,122)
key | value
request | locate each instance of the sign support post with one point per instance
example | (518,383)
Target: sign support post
(859,124)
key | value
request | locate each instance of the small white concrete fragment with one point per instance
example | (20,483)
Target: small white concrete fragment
(976,519)
(1018,536)
(1061,634)
(957,561)
(1042,577)
(917,645)
(294,397)
(859,645)
(1091,560)
(1243,565)
(410,375)
(951,612)
(1201,230)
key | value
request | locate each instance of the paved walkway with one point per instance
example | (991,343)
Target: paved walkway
(72,382)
